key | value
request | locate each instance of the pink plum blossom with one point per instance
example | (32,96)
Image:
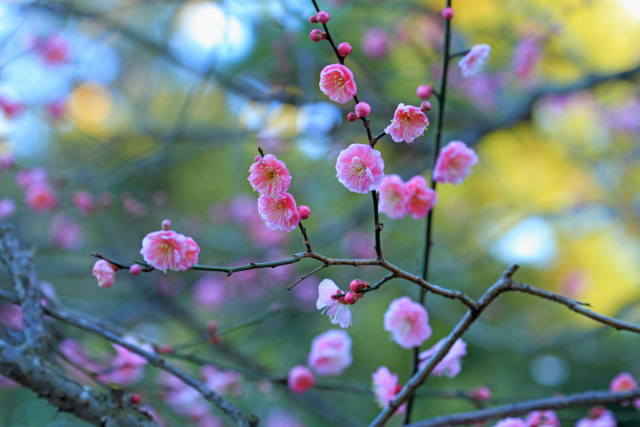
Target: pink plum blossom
(53,49)
(336,308)
(6,161)
(625,382)
(83,201)
(330,352)
(360,168)
(300,379)
(375,43)
(386,387)
(222,382)
(408,123)
(269,176)
(7,207)
(25,178)
(473,62)
(525,57)
(598,416)
(6,383)
(127,367)
(164,249)
(40,197)
(66,232)
(336,81)
(279,212)
(450,364)
(421,199)
(511,422)
(78,355)
(11,316)
(454,163)
(104,272)
(279,418)
(190,255)
(393,197)
(209,291)
(542,419)
(408,322)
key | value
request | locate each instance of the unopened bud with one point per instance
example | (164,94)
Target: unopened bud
(166,224)
(135,398)
(358,285)
(323,17)
(363,109)
(351,297)
(447,13)
(313,19)
(135,269)
(424,91)
(304,211)
(425,106)
(344,49)
(317,35)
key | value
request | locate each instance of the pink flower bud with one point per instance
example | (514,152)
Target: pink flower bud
(300,379)
(323,17)
(447,13)
(166,224)
(313,19)
(212,327)
(135,269)
(363,109)
(481,393)
(358,285)
(135,398)
(317,35)
(424,91)
(425,106)
(304,211)
(344,49)
(104,271)
(164,349)
(351,297)
(352,117)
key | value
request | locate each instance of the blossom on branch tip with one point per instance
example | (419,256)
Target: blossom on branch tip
(168,250)
(408,322)
(408,123)
(363,109)
(420,198)
(330,353)
(269,176)
(360,168)
(337,82)
(625,382)
(344,49)
(386,387)
(304,211)
(393,197)
(104,271)
(450,363)
(598,416)
(336,308)
(279,212)
(473,62)
(300,379)
(454,163)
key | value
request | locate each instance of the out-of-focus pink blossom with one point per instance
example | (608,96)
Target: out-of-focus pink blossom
(104,272)
(375,43)
(393,197)
(66,232)
(408,123)
(6,161)
(190,255)
(625,382)
(386,387)
(525,57)
(336,308)
(269,176)
(542,419)
(482,393)
(222,382)
(57,109)
(78,355)
(126,367)
(133,206)
(598,416)
(408,322)
(150,410)
(7,207)
(330,352)
(25,178)
(164,249)
(6,383)
(360,168)
(473,62)
(53,49)
(182,398)
(209,291)
(300,379)
(10,107)
(83,201)
(454,163)
(421,199)
(511,422)
(450,364)
(280,418)
(279,212)
(40,198)
(358,244)
(11,316)
(337,82)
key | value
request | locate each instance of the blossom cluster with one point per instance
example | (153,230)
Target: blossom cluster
(271,179)
(398,198)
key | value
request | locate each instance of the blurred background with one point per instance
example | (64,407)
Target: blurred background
(118,114)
